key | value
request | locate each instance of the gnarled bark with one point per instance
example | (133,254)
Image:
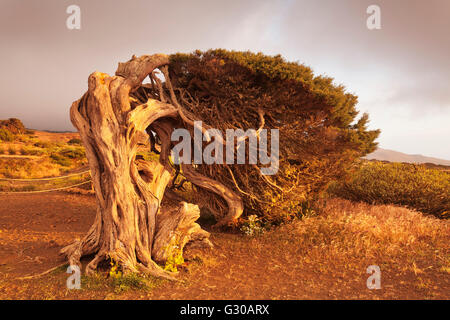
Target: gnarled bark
(130,226)
(234,202)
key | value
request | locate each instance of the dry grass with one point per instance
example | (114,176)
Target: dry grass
(414,186)
(28,168)
(326,257)
(56,137)
(349,233)
(41,155)
(318,257)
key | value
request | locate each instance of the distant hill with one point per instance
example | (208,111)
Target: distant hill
(395,156)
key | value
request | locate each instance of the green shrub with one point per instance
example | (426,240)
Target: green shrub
(35,152)
(6,135)
(125,281)
(73,153)
(44,144)
(131,281)
(413,186)
(12,150)
(252,226)
(9,188)
(61,160)
(13,125)
(26,188)
(320,135)
(31,151)
(75,141)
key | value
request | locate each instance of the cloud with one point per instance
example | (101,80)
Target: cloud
(401,70)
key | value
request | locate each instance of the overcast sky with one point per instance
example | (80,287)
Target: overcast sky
(400,72)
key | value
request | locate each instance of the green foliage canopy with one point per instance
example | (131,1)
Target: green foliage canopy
(320,135)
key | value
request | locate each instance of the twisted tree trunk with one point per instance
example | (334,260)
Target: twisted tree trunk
(130,226)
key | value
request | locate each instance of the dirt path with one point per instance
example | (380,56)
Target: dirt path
(274,266)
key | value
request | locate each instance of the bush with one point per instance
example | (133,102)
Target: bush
(252,226)
(75,141)
(73,153)
(11,150)
(24,188)
(6,135)
(61,160)
(320,135)
(44,144)
(30,151)
(413,186)
(13,125)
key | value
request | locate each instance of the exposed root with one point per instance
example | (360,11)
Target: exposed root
(115,117)
(42,273)
(234,202)
(73,252)
(91,268)
(157,271)
(150,269)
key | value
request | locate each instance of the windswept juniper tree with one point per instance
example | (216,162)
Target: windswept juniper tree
(319,137)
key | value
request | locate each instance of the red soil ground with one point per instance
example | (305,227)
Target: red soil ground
(280,264)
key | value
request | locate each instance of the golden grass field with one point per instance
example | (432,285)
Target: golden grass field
(318,257)
(30,155)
